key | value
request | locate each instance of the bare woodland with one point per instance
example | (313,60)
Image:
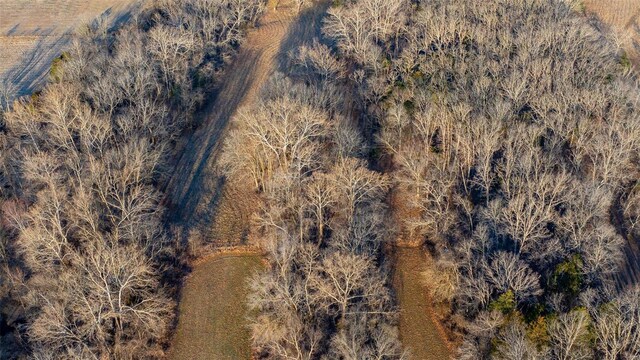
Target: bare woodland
(322,222)
(503,134)
(86,262)
(510,131)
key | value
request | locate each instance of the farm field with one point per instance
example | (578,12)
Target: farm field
(213,312)
(419,332)
(623,16)
(33,33)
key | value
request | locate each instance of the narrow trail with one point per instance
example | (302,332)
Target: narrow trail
(212,320)
(195,190)
(420,332)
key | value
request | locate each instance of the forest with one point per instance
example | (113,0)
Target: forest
(500,135)
(510,131)
(87,265)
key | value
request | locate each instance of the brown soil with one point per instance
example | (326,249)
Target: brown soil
(420,331)
(46,17)
(33,33)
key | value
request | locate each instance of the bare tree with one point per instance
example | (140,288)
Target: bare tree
(280,134)
(442,280)
(616,325)
(354,185)
(511,162)
(631,210)
(320,200)
(342,281)
(84,158)
(358,27)
(507,272)
(353,341)
(514,344)
(318,59)
(569,335)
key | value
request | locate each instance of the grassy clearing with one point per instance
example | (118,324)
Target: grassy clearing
(418,330)
(213,313)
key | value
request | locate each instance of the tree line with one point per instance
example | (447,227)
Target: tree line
(86,262)
(326,293)
(509,132)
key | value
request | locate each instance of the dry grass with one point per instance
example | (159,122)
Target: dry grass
(403,210)
(47,17)
(623,17)
(33,33)
(213,311)
(420,333)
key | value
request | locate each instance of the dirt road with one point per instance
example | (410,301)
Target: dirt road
(420,333)
(196,193)
(213,313)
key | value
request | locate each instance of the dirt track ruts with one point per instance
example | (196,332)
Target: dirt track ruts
(195,189)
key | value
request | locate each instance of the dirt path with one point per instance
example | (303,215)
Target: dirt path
(195,191)
(213,313)
(419,331)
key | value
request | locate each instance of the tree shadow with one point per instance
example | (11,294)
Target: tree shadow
(634,28)
(306,29)
(30,73)
(13,30)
